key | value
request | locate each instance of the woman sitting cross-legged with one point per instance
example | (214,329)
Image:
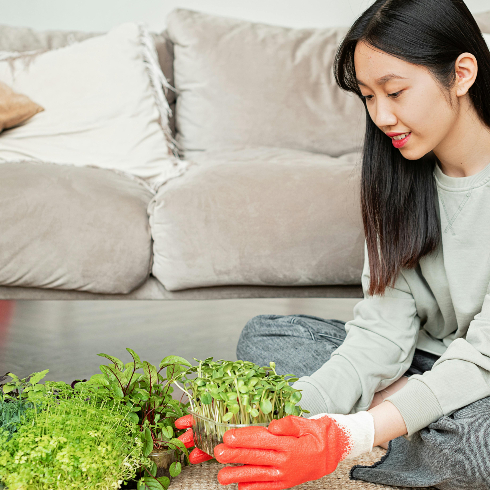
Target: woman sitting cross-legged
(411,371)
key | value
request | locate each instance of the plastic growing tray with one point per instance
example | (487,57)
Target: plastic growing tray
(208,433)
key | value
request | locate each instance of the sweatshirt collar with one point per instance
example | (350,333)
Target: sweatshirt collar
(461,183)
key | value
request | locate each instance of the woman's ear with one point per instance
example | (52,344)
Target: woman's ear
(466,68)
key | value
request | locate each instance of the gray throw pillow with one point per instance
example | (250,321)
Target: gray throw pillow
(483,20)
(241,82)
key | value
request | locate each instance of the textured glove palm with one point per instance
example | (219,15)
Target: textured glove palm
(292,450)
(196,455)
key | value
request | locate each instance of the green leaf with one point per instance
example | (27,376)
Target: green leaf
(254,412)
(108,372)
(229,415)
(116,389)
(175,468)
(8,387)
(150,372)
(14,377)
(149,483)
(266,406)
(119,364)
(168,432)
(164,481)
(178,443)
(135,357)
(289,408)
(141,394)
(153,468)
(295,397)
(36,377)
(148,442)
(167,361)
(133,417)
(206,399)
(98,379)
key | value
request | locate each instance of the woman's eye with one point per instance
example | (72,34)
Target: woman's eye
(394,96)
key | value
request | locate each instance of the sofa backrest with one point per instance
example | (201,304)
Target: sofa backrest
(248,83)
(483,20)
(343,110)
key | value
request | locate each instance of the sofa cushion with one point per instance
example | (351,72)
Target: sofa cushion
(241,82)
(104,106)
(68,227)
(483,20)
(15,108)
(259,216)
(14,38)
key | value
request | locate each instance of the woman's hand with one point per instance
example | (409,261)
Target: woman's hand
(292,450)
(196,455)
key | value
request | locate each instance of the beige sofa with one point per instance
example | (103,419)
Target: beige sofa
(268,208)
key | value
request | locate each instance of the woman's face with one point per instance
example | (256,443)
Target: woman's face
(414,103)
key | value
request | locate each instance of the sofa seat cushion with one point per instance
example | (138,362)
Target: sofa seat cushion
(68,227)
(259,216)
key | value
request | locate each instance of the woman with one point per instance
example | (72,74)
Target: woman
(415,360)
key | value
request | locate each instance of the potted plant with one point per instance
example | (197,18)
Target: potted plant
(148,389)
(67,437)
(228,394)
(13,400)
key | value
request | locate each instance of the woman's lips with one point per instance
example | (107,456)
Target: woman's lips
(400,143)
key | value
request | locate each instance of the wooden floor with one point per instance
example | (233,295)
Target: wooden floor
(65,336)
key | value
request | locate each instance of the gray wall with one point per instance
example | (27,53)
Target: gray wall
(101,15)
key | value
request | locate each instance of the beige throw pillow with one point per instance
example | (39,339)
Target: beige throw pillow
(15,108)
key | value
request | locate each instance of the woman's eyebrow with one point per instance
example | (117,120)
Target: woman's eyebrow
(382,80)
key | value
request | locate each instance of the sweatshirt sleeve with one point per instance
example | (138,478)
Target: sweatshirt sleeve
(459,377)
(378,349)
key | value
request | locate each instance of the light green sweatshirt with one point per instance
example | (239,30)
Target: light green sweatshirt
(442,306)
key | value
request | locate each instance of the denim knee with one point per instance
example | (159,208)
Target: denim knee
(247,342)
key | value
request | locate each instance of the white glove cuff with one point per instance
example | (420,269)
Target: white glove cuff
(359,428)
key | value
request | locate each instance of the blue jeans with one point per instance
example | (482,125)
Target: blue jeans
(452,453)
(301,344)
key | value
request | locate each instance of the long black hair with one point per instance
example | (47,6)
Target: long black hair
(399,196)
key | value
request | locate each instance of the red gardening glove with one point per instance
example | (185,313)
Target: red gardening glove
(292,450)
(196,455)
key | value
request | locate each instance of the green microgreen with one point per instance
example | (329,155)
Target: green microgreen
(240,392)
(68,438)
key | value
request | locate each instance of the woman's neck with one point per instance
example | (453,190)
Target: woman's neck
(466,149)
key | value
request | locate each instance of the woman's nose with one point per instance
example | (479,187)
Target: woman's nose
(384,116)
